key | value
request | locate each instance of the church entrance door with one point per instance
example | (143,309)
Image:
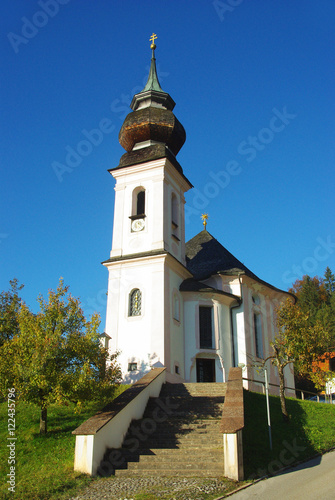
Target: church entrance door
(205,370)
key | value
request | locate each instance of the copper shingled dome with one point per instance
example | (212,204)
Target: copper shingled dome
(155,124)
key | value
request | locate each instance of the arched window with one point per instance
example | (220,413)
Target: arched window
(256,300)
(206,327)
(258,335)
(135,302)
(140,203)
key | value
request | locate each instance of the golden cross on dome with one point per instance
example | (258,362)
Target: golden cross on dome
(204,219)
(152,39)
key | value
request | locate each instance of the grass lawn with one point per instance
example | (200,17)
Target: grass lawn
(311,430)
(44,464)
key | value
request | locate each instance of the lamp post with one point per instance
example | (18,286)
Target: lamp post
(268,405)
(242,365)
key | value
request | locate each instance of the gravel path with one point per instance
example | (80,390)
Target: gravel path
(159,487)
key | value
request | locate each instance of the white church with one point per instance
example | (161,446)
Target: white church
(191,307)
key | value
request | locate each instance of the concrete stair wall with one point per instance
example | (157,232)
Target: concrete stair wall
(179,434)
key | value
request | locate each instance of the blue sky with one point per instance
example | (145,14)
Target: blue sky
(253,82)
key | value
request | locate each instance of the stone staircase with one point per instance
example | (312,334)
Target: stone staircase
(178,435)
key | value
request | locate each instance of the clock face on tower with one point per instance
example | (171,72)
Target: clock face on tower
(137,225)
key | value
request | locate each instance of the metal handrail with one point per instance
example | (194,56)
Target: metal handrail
(302,391)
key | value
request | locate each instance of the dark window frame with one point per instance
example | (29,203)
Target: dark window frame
(206,327)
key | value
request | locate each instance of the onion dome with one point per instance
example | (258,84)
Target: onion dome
(152,121)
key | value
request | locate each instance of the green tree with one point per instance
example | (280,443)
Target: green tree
(329,282)
(311,294)
(316,298)
(9,308)
(298,341)
(57,356)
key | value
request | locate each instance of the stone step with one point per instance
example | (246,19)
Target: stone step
(174,466)
(156,447)
(190,411)
(180,457)
(196,387)
(152,452)
(181,442)
(210,390)
(164,462)
(210,472)
(166,451)
(187,411)
(201,401)
(187,421)
(162,453)
(183,433)
(173,430)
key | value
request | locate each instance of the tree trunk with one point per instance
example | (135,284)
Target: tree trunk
(285,414)
(43,420)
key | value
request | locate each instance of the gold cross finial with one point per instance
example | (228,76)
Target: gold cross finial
(152,39)
(204,219)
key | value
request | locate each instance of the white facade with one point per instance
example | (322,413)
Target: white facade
(167,331)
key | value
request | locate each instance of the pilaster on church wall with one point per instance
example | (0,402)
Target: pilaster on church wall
(223,334)
(173,325)
(190,328)
(118,221)
(175,184)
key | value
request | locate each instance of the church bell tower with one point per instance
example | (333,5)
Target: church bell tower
(147,261)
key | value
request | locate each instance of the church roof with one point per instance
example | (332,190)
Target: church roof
(153,82)
(205,256)
(192,285)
